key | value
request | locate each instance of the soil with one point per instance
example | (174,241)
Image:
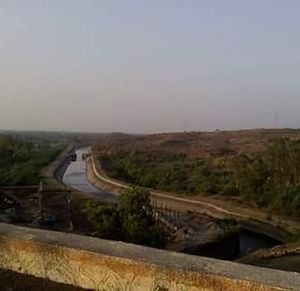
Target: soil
(193,145)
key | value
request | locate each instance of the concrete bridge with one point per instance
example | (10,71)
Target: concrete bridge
(97,264)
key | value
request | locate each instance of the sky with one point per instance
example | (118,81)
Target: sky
(149,65)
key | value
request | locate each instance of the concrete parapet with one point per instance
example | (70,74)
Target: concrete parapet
(106,265)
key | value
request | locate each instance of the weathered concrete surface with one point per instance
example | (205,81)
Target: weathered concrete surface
(277,252)
(105,265)
(99,183)
(54,173)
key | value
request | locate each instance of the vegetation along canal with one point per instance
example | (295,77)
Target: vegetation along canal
(229,248)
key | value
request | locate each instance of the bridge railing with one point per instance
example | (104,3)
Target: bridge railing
(106,265)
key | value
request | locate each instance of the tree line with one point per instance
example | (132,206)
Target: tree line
(269,179)
(22,162)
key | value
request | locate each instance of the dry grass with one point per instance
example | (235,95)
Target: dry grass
(196,144)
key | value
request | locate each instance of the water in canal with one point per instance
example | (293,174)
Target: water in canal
(75,177)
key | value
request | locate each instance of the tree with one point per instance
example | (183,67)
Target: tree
(106,220)
(130,220)
(136,201)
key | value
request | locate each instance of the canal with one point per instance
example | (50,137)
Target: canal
(230,248)
(75,177)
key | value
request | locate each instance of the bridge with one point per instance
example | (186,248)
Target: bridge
(97,264)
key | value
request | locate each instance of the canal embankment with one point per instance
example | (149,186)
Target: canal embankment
(53,175)
(252,220)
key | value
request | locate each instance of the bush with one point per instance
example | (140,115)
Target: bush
(21,163)
(129,220)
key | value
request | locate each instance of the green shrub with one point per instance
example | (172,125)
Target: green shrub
(129,220)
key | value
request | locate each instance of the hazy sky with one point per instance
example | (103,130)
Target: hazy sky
(140,66)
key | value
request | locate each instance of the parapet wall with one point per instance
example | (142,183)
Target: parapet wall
(106,265)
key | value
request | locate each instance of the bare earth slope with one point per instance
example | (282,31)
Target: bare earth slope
(197,144)
(214,146)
